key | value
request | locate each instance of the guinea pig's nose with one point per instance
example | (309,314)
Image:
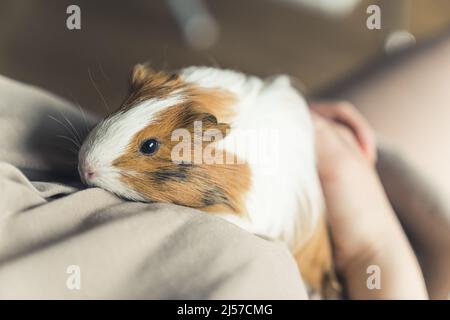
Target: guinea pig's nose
(88,173)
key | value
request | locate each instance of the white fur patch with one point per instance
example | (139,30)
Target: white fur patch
(111,137)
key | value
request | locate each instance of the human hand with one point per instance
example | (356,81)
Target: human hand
(346,154)
(363,226)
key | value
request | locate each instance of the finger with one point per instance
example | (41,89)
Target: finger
(345,113)
(334,133)
(347,136)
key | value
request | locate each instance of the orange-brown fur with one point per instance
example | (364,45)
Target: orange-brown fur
(146,83)
(213,101)
(315,261)
(216,187)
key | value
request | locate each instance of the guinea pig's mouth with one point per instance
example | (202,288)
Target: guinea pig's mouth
(87,173)
(109,180)
(93,176)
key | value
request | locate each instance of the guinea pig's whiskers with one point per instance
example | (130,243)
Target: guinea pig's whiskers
(74,130)
(83,115)
(98,91)
(86,125)
(68,148)
(70,140)
(213,61)
(74,139)
(102,71)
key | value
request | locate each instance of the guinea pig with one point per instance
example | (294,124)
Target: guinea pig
(223,142)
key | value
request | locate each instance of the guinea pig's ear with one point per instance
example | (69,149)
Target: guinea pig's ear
(209,121)
(140,74)
(192,119)
(210,126)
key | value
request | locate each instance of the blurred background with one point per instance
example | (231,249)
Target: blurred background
(319,42)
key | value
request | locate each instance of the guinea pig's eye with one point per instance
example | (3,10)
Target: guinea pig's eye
(149,147)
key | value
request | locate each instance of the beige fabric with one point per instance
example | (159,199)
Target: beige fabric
(123,249)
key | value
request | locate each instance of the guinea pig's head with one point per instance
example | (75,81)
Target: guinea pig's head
(131,151)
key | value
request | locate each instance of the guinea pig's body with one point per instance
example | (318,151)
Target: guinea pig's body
(271,131)
(217,140)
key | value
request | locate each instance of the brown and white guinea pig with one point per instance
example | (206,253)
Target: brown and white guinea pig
(216,140)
